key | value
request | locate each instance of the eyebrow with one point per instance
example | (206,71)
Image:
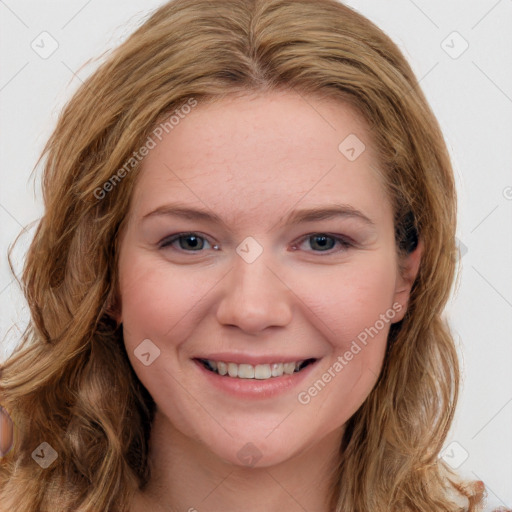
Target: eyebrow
(295,217)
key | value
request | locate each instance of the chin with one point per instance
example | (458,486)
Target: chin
(257,450)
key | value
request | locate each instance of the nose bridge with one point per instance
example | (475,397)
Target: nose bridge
(254,297)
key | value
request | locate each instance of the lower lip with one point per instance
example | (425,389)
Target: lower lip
(255,388)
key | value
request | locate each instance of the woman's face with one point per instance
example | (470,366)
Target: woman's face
(286,255)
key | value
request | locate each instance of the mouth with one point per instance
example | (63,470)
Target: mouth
(258,372)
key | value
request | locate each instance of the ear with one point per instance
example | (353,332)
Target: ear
(409,266)
(113,310)
(116,315)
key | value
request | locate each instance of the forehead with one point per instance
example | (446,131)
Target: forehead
(262,153)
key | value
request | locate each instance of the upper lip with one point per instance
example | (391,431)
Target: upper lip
(231,357)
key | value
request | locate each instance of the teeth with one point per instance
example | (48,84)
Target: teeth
(289,368)
(222,368)
(232,370)
(259,371)
(245,371)
(277,369)
(262,371)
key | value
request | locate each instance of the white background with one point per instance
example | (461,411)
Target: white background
(471,96)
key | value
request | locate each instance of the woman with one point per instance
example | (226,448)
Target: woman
(193,346)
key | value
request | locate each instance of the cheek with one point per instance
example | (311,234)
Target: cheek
(354,312)
(342,301)
(161,303)
(350,299)
(156,296)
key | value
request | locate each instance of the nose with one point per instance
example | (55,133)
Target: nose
(254,297)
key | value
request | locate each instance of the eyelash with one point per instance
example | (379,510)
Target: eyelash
(343,242)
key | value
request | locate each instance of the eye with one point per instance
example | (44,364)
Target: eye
(188,242)
(193,242)
(322,242)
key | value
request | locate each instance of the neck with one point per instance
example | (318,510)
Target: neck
(186,476)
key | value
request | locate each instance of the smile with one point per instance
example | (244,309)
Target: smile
(259,371)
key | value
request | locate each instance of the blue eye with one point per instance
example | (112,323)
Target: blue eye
(326,242)
(189,242)
(192,242)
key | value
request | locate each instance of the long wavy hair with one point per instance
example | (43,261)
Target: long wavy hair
(70,384)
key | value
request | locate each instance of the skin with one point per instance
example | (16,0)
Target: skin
(6,432)
(252,160)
